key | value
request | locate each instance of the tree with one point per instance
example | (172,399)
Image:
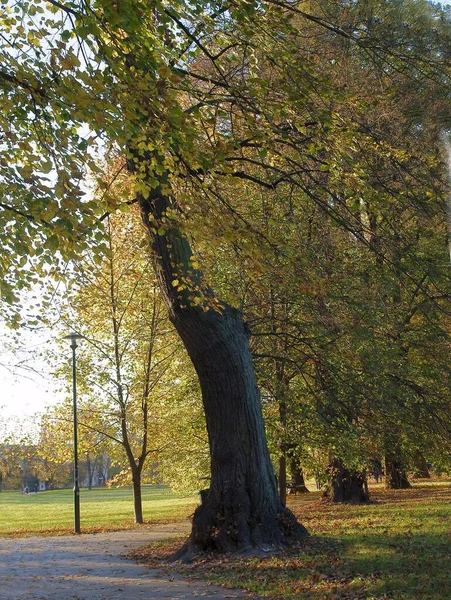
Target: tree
(131,362)
(195,96)
(242,510)
(9,464)
(54,447)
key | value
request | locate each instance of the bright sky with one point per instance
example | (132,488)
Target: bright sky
(26,384)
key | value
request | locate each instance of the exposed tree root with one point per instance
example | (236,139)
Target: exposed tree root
(240,537)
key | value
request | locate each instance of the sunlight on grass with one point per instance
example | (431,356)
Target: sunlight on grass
(101,509)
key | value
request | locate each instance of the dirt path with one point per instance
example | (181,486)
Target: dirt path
(92,567)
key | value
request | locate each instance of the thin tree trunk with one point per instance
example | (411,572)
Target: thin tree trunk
(281,393)
(90,470)
(283,479)
(242,511)
(105,470)
(137,497)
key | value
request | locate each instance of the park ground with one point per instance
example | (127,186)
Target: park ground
(102,509)
(398,546)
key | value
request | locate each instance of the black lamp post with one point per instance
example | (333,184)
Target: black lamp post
(73,337)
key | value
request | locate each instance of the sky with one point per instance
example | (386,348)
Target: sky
(27,384)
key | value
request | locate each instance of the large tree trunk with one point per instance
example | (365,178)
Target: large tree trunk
(395,474)
(297,478)
(421,467)
(345,485)
(242,511)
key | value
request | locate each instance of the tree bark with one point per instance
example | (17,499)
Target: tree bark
(137,498)
(282,479)
(89,470)
(395,474)
(242,510)
(345,485)
(297,479)
(421,467)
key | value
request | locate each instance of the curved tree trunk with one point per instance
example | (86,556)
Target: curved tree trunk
(242,510)
(345,485)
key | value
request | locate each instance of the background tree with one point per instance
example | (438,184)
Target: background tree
(130,366)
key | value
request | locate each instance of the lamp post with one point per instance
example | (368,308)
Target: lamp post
(73,337)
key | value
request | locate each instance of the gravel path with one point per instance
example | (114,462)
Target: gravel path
(92,567)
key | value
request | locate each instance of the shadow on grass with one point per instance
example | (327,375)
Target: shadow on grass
(408,566)
(375,566)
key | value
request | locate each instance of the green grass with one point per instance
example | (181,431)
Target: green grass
(50,513)
(397,547)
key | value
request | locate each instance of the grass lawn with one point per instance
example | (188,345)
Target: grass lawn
(50,513)
(399,547)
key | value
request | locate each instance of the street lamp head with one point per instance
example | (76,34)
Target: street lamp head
(73,337)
